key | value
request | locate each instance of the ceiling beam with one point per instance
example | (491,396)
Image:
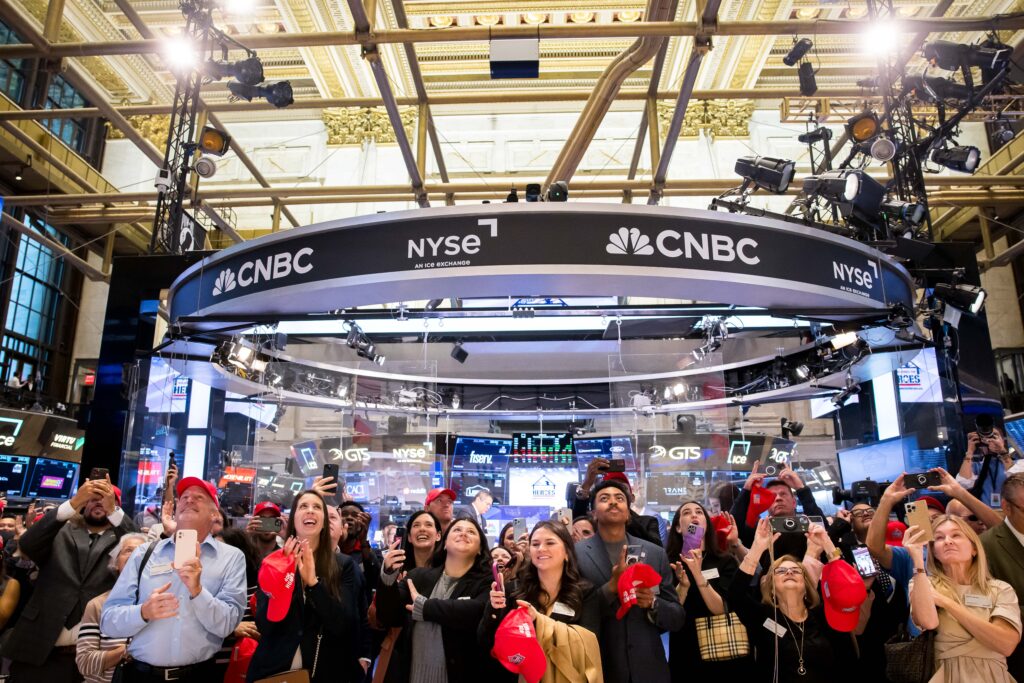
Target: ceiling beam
(62,252)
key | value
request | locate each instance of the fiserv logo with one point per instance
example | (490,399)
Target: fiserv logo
(271,267)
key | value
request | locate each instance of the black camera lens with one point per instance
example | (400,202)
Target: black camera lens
(790,523)
(922,480)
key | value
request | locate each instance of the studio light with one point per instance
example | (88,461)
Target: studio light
(962,159)
(863,127)
(936,88)
(679,389)
(882,37)
(277,94)
(820,134)
(909,213)
(180,54)
(273,379)
(808,82)
(248,71)
(213,141)
(790,427)
(963,296)
(839,187)
(558,191)
(275,422)
(882,149)
(766,173)
(797,52)
(512,197)
(533,192)
(951,56)
(205,167)
(341,390)
(363,346)
(459,353)
(851,389)
(844,339)
(801,373)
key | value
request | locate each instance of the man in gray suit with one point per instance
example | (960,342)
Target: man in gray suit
(69,545)
(631,648)
(1004,548)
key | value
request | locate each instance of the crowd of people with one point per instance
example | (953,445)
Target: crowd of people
(756,591)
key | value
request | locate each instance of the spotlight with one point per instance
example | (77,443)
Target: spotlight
(244,357)
(797,52)
(277,94)
(951,56)
(512,197)
(453,399)
(962,296)
(558,191)
(851,389)
(844,339)
(341,390)
(363,346)
(908,213)
(962,159)
(180,54)
(808,83)
(679,389)
(936,88)
(273,379)
(802,373)
(882,37)
(248,71)
(820,134)
(863,127)
(533,192)
(205,167)
(840,186)
(766,173)
(882,149)
(275,422)
(790,428)
(458,353)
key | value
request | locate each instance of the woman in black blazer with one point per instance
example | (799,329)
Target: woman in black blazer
(438,609)
(321,627)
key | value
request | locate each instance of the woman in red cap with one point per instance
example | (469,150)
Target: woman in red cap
(560,603)
(439,609)
(976,617)
(306,610)
(786,621)
(703,574)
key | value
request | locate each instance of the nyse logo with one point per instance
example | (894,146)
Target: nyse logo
(409,454)
(853,276)
(273,267)
(450,245)
(688,245)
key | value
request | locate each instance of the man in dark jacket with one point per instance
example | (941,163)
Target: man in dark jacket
(70,546)
(1004,549)
(578,499)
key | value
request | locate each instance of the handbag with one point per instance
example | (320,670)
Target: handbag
(117,676)
(909,659)
(722,637)
(296,675)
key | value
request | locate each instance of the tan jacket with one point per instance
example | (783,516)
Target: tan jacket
(572,651)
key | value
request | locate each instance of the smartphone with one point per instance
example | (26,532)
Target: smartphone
(270,525)
(331,470)
(172,461)
(692,539)
(917,515)
(400,536)
(98,473)
(563,515)
(616,465)
(922,480)
(518,528)
(185,543)
(797,524)
(865,565)
(634,554)
(495,573)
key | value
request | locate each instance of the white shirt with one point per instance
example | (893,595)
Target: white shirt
(1013,530)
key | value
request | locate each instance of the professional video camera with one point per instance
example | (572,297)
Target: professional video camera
(865,491)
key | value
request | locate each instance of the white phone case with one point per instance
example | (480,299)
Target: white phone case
(185,542)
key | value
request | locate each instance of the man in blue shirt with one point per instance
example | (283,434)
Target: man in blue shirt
(178,616)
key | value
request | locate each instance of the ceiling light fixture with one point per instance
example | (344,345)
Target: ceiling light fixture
(628,16)
(441,21)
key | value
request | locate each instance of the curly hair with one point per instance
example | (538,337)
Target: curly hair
(674,544)
(571,588)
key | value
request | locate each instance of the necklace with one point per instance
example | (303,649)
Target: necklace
(800,669)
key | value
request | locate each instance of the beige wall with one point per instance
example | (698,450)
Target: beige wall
(92,311)
(1002,307)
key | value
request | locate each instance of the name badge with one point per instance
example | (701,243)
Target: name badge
(464,597)
(978,601)
(158,569)
(562,608)
(770,624)
(709,574)
(995,500)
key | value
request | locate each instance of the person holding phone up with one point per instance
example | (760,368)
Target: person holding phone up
(703,573)
(178,598)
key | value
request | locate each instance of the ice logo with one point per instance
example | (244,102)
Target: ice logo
(225,282)
(629,241)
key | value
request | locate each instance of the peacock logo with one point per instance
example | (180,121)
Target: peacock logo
(629,241)
(225,282)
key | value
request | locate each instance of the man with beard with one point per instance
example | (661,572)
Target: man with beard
(265,542)
(356,544)
(69,545)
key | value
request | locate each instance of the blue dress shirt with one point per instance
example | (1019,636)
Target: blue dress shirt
(198,631)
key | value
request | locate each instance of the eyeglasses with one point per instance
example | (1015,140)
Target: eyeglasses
(788,571)
(860,514)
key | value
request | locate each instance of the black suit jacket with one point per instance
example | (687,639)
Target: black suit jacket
(1006,562)
(70,575)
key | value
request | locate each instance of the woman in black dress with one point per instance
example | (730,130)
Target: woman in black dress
(703,574)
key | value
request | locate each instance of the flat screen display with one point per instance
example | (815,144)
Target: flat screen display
(879,461)
(305,455)
(467,484)
(13,473)
(52,479)
(540,485)
(480,454)
(542,449)
(611,447)
(1015,430)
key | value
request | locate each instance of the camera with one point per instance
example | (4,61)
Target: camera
(923,480)
(864,491)
(798,524)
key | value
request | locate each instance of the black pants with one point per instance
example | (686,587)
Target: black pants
(59,667)
(202,672)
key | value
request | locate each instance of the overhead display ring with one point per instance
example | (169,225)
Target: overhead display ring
(572,249)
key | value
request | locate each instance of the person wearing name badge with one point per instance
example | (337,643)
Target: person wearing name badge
(976,618)
(703,573)
(565,612)
(178,598)
(786,621)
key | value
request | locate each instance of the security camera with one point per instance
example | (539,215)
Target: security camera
(163,180)
(205,167)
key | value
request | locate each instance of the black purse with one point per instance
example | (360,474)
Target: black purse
(910,659)
(117,676)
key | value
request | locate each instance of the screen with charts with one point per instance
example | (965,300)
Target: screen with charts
(52,479)
(1014,430)
(879,461)
(480,463)
(542,449)
(13,473)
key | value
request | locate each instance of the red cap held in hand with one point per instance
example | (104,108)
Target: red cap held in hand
(894,531)
(516,646)
(637,575)
(277,580)
(760,500)
(721,524)
(843,593)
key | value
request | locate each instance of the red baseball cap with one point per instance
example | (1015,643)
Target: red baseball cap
(619,476)
(516,646)
(117,493)
(760,500)
(639,574)
(434,494)
(894,531)
(277,580)
(188,482)
(933,503)
(721,524)
(843,593)
(267,506)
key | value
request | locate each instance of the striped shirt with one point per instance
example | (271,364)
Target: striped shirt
(92,644)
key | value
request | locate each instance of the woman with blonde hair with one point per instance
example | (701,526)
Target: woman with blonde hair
(976,617)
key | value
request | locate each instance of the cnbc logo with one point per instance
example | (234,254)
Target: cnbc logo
(267,269)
